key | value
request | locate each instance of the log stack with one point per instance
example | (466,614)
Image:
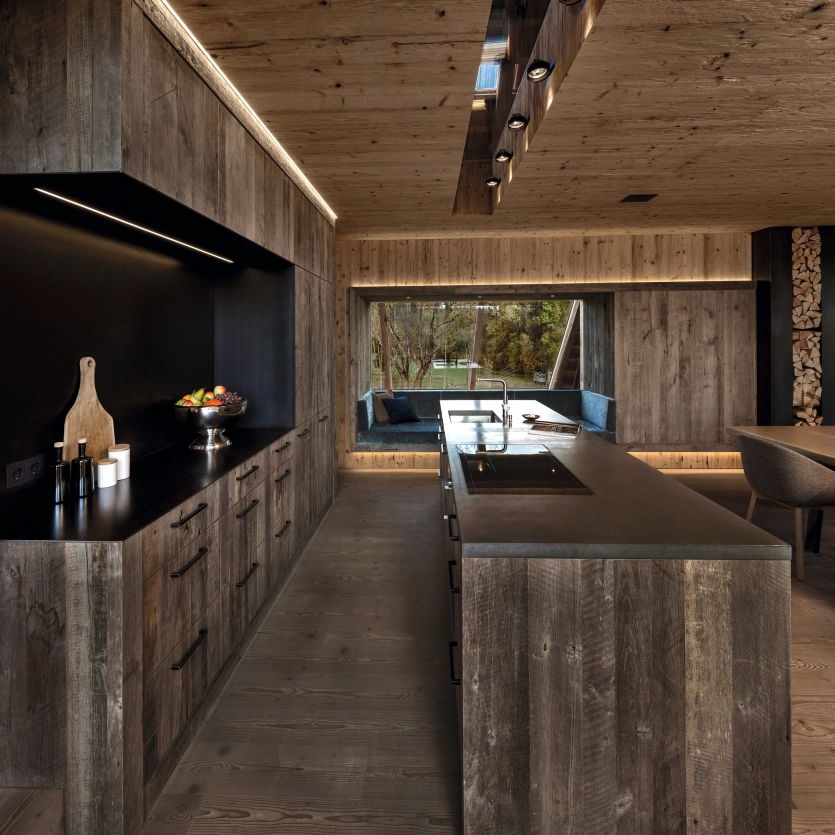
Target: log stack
(806,319)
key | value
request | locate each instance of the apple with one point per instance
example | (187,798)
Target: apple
(220,390)
(187,403)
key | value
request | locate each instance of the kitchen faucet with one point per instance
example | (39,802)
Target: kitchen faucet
(506,416)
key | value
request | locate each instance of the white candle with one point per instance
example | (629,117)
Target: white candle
(106,475)
(121,452)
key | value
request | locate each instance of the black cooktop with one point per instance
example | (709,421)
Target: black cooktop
(517,468)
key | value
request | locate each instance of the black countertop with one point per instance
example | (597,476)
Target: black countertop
(158,483)
(632,512)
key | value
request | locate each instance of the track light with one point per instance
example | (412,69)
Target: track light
(492,182)
(540,70)
(517,122)
(503,155)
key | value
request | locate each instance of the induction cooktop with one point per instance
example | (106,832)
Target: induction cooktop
(517,468)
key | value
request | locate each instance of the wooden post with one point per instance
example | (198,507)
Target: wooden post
(384,341)
(479,330)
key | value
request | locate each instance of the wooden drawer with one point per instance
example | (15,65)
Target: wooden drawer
(242,598)
(172,695)
(177,595)
(280,546)
(170,534)
(282,490)
(243,528)
(281,451)
(245,478)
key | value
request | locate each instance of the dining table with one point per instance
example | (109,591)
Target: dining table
(815,442)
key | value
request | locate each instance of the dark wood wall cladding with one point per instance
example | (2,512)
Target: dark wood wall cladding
(61,85)
(598,343)
(643,656)
(181,139)
(685,367)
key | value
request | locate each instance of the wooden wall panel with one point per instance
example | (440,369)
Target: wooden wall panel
(598,344)
(685,367)
(61,85)
(546,260)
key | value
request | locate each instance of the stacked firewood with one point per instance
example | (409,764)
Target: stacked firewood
(806,318)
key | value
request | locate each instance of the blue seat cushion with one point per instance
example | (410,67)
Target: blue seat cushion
(400,410)
(424,432)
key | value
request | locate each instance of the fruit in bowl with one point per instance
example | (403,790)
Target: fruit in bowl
(217,396)
(210,411)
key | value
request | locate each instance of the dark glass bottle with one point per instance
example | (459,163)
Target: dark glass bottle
(59,480)
(83,477)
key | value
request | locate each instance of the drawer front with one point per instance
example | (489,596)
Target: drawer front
(281,451)
(243,528)
(170,534)
(280,547)
(172,695)
(246,477)
(282,489)
(178,594)
(242,598)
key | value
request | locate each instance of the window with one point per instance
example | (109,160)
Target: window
(431,344)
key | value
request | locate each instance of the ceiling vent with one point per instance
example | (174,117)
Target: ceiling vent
(638,198)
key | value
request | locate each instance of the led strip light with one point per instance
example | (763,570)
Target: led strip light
(132,225)
(285,156)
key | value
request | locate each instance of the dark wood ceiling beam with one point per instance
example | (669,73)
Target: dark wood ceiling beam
(562,34)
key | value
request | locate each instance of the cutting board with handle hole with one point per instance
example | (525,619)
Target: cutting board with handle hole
(87,418)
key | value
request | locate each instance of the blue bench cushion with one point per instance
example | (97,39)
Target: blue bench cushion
(594,412)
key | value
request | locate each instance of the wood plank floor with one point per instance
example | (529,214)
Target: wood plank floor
(340,717)
(31,812)
(813,653)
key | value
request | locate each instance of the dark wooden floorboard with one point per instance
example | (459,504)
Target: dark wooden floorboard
(340,716)
(813,652)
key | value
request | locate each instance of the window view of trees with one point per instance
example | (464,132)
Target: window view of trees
(431,343)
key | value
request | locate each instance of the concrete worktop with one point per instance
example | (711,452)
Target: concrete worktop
(634,510)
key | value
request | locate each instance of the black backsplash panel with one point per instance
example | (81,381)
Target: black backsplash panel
(74,286)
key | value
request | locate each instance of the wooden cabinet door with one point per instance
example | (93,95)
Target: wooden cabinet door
(325,453)
(305,477)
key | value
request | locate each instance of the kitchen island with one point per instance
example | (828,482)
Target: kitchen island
(622,651)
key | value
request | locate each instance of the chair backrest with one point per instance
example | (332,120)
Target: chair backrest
(780,473)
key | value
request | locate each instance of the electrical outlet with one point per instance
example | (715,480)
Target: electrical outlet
(23,473)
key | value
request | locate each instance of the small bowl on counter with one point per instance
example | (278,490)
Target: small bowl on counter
(210,422)
(530,416)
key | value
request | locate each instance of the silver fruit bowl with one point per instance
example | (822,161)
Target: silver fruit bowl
(210,422)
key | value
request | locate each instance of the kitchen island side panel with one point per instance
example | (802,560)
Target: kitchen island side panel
(637,695)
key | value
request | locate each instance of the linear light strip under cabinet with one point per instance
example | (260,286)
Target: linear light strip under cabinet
(132,225)
(284,155)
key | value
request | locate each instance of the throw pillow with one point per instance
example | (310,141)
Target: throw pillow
(380,413)
(400,410)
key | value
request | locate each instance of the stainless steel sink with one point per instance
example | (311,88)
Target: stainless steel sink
(473,416)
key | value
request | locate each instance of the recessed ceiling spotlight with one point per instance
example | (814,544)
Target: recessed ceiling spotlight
(540,70)
(569,2)
(493,181)
(517,122)
(638,198)
(503,155)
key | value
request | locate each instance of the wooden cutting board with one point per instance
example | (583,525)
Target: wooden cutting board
(87,418)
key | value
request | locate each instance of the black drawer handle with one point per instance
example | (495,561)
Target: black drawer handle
(248,473)
(306,432)
(241,583)
(176,574)
(452,645)
(284,529)
(282,477)
(200,508)
(322,420)
(449,517)
(203,633)
(452,587)
(282,448)
(244,512)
